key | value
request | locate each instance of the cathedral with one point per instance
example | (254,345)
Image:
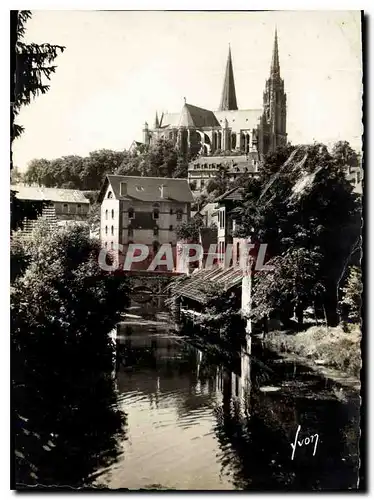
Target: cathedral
(253,132)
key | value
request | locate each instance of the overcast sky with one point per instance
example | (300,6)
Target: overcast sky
(120,67)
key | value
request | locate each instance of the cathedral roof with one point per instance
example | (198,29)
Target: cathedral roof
(241,119)
(192,116)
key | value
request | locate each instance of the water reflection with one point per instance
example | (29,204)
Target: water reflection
(67,424)
(195,425)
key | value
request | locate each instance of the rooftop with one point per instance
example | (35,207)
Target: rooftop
(148,188)
(190,288)
(39,193)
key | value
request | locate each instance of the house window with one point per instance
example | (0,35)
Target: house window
(106,230)
(130,231)
(79,208)
(202,183)
(156,213)
(65,208)
(171,211)
(112,230)
(111,245)
(131,213)
(110,194)
(179,214)
(106,214)
(221,217)
(155,231)
(112,214)
(170,228)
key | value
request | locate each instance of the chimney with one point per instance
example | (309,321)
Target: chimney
(122,188)
(163,191)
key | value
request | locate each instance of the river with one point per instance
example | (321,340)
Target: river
(192,425)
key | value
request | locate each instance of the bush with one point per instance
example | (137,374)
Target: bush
(63,307)
(335,346)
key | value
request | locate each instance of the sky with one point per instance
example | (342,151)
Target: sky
(120,67)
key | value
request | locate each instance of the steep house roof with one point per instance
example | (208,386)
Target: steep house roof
(148,188)
(37,193)
(234,194)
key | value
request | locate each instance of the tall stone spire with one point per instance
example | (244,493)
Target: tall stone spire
(228,100)
(275,68)
(157,123)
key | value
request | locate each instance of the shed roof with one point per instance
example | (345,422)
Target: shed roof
(190,288)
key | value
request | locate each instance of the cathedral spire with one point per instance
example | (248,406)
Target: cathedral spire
(228,99)
(157,123)
(275,68)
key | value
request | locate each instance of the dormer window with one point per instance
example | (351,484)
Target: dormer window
(139,188)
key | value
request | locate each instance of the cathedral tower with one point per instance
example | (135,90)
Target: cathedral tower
(228,99)
(273,123)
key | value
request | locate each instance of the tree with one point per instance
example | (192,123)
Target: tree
(304,203)
(351,301)
(16,176)
(219,184)
(63,307)
(190,230)
(34,65)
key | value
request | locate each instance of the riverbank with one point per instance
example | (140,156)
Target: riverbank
(331,352)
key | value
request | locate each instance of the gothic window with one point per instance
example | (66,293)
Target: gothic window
(112,214)
(131,213)
(106,214)
(110,194)
(112,230)
(106,230)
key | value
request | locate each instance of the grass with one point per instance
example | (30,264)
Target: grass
(334,347)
